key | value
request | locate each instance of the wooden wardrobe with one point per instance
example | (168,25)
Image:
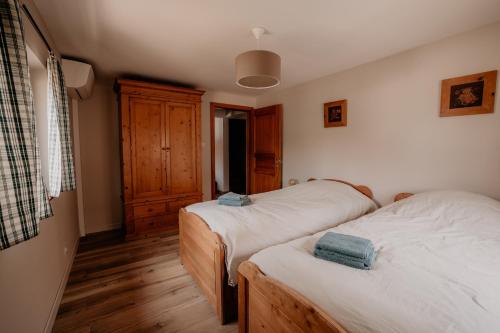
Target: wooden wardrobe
(161,154)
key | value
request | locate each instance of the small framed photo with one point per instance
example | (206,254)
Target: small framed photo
(468,95)
(335,113)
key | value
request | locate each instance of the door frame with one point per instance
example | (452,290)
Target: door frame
(213,107)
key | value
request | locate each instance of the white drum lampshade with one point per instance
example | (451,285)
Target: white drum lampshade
(258,69)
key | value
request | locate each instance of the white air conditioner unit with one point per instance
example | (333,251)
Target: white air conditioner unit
(79,78)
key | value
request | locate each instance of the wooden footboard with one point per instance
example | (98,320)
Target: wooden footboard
(266,305)
(202,254)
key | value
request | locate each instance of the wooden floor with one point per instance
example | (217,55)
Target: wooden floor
(136,286)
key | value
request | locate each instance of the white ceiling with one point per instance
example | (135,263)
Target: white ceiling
(195,41)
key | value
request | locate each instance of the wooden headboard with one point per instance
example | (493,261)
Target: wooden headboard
(402,195)
(361,188)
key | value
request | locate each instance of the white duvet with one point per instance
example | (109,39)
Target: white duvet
(437,269)
(280,216)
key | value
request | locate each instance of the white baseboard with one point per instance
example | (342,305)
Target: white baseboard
(60,290)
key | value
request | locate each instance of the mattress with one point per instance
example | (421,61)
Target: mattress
(437,267)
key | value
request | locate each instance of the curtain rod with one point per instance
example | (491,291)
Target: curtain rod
(33,23)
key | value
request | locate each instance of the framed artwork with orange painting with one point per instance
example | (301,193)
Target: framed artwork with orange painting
(468,95)
(335,113)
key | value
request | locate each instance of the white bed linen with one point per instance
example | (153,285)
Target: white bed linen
(280,216)
(437,269)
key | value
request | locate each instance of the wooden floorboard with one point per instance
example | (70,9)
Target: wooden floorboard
(134,286)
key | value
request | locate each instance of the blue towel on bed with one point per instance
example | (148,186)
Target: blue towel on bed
(233,196)
(347,250)
(233,199)
(346,260)
(234,202)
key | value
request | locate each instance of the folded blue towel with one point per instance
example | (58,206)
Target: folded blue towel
(353,246)
(237,203)
(346,260)
(233,196)
(347,250)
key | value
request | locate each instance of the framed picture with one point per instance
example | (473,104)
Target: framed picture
(466,95)
(335,113)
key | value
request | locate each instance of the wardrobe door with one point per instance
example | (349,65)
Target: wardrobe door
(148,159)
(182,155)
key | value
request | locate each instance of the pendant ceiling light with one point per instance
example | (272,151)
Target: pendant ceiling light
(258,69)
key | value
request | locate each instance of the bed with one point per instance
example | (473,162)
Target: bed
(437,270)
(214,239)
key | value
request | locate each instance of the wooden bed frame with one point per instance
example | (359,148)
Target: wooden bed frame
(202,253)
(267,305)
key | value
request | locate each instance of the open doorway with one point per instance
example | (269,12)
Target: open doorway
(230,128)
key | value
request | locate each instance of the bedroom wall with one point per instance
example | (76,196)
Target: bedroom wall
(395,140)
(100,158)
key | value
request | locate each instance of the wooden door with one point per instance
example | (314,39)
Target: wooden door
(182,153)
(148,158)
(266,149)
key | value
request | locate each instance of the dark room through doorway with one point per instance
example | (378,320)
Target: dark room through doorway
(230,150)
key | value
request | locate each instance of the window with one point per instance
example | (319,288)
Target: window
(38,78)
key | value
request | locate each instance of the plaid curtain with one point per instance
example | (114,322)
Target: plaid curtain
(61,169)
(23,200)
